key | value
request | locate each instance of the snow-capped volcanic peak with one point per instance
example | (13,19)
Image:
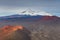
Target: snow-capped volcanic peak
(34,13)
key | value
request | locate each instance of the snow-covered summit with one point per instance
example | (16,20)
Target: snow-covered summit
(34,13)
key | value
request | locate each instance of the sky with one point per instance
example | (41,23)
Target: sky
(9,7)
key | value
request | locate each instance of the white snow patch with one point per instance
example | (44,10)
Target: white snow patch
(34,13)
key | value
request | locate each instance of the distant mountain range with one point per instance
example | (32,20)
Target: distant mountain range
(28,14)
(28,17)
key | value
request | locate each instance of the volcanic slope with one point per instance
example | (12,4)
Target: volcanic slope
(14,33)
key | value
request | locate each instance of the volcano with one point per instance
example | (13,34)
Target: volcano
(34,27)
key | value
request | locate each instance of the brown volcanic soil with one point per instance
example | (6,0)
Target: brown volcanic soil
(14,33)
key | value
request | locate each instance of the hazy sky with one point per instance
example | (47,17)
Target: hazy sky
(8,7)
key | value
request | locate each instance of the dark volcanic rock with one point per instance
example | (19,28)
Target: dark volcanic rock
(18,35)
